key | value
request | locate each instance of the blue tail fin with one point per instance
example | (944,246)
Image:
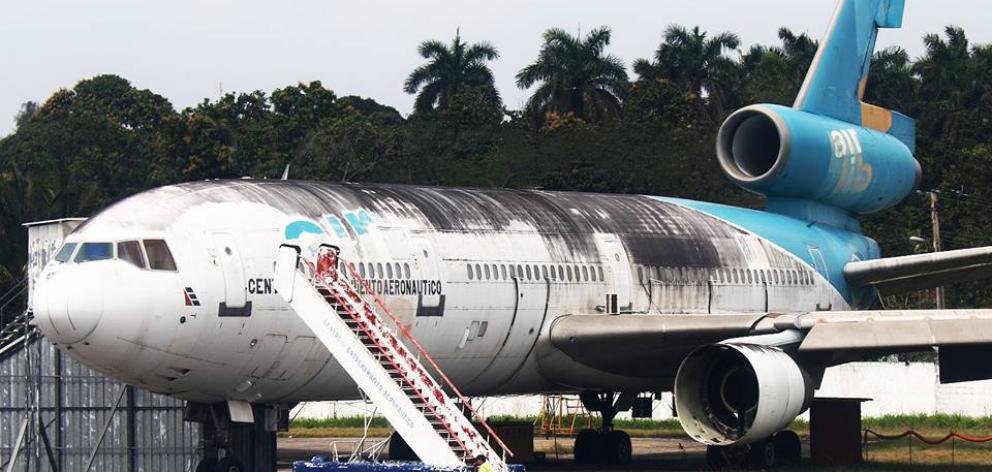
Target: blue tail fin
(835,83)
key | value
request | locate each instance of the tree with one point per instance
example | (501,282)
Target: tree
(775,74)
(694,60)
(449,70)
(576,77)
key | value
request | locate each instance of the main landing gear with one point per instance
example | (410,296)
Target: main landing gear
(244,443)
(606,445)
(782,449)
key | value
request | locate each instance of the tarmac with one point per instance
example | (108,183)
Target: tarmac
(649,454)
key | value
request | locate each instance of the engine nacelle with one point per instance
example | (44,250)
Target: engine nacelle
(783,152)
(730,394)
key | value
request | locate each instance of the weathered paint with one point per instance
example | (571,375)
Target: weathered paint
(490,269)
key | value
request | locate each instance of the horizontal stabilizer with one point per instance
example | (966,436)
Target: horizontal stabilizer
(894,275)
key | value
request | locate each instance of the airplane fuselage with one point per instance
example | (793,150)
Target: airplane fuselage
(477,274)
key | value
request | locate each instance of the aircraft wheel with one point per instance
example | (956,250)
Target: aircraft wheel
(723,457)
(788,447)
(587,447)
(616,448)
(207,465)
(762,455)
(229,464)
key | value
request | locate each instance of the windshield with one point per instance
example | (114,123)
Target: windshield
(130,251)
(94,252)
(159,257)
(66,252)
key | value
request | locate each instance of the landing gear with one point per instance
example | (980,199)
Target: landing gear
(606,446)
(240,444)
(788,447)
(782,449)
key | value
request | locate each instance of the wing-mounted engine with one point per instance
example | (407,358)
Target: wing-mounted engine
(783,152)
(731,394)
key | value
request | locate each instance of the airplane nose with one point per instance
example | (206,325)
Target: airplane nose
(69,303)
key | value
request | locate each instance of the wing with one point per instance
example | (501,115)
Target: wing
(654,345)
(893,275)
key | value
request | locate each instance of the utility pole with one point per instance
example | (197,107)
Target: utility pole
(935,221)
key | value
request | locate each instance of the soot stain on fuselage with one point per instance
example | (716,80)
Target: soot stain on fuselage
(653,232)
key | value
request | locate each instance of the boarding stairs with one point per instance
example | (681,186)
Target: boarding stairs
(367,340)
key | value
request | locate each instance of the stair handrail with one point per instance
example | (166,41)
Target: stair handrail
(430,360)
(428,400)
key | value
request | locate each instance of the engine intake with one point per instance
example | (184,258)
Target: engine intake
(782,152)
(729,394)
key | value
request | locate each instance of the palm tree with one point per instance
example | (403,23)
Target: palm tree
(449,70)
(576,76)
(775,74)
(694,60)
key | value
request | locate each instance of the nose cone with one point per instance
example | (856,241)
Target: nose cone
(69,301)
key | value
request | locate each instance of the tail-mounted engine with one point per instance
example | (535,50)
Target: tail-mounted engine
(730,394)
(783,152)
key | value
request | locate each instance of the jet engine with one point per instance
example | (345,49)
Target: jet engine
(782,152)
(734,394)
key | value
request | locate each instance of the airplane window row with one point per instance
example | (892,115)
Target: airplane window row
(554,272)
(387,270)
(735,276)
(151,254)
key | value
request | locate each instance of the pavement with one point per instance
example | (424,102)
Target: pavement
(649,454)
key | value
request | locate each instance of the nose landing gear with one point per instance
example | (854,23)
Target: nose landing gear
(606,445)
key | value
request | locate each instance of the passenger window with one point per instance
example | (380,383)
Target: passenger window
(361,269)
(488,273)
(159,256)
(389,270)
(495,272)
(478,272)
(600,271)
(502,271)
(371,270)
(130,251)
(544,272)
(568,272)
(585,274)
(471,275)
(378,270)
(528,273)
(95,252)
(66,252)
(561,273)
(406,270)
(482,329)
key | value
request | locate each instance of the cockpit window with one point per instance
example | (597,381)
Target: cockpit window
(95,252)
(130,251)
(159,257)
(66,252)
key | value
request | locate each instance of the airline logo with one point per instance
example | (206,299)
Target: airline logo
(190,297)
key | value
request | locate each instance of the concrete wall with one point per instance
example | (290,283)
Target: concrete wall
(895,387)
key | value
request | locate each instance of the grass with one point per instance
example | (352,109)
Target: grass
(903,454)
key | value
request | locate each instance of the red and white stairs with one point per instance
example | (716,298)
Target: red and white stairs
(364,337)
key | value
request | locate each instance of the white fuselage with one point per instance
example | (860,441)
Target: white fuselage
(478,275)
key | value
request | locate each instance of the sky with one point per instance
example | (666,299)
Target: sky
(188,50)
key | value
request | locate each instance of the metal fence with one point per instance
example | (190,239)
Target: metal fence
(79,420)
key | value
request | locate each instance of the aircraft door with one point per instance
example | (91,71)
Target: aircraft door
(235,302)
(617,266)
(823,302)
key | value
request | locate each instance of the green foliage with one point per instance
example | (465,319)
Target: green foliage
(449,71)
(575,76)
